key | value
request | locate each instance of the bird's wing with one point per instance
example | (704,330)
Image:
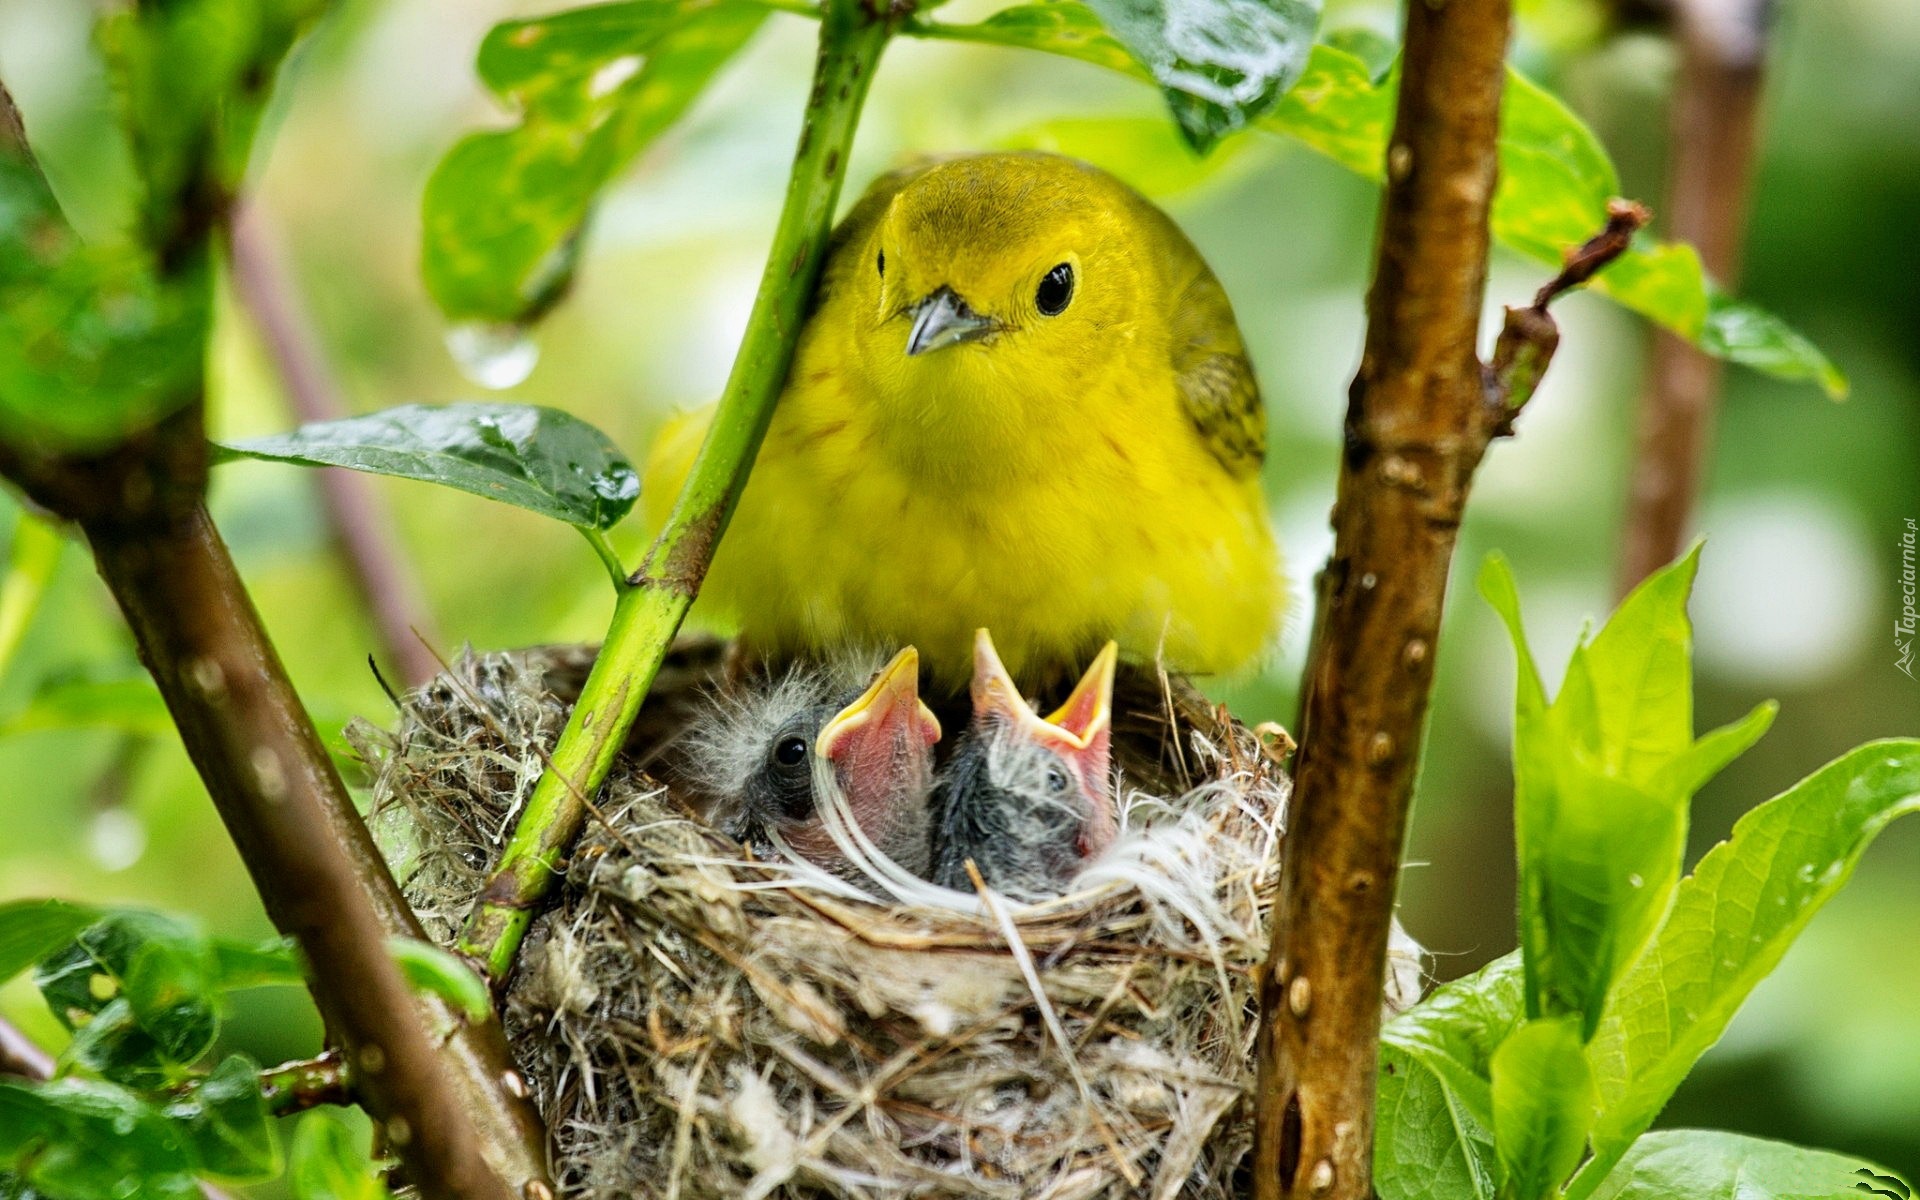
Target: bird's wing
(1210,364)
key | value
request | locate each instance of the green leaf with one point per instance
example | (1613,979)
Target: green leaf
(226,1124)
(80,1139)
(1543,1106)
(1435,1108)
(539,459)
(327,1163)
(274,963)
(428,968)
(1602,779)
(32,929)
(1145,151)
(1750,335)
(1555,179)
(1221,63)
(32,559)
(1732,920)
(93,345)
(137,991)
(130,704)
(1693,1164)
(505,210)
(192,78)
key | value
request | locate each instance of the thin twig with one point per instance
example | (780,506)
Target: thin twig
(1716,106)
(1420,415)
(21,1055)
(362,530)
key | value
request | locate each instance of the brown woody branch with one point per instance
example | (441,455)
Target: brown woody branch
(1716,105)
(1420,415)
(443,1089)
(376,567)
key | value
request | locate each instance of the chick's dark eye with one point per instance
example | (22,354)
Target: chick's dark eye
(1055,291)
(1057,780)
(880,262)
(790,751)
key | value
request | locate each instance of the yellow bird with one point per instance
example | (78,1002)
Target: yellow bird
(1021,402)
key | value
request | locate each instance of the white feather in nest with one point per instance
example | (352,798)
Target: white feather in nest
(698,1025)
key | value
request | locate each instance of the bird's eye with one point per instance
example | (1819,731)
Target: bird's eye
(1057,781)
(790,751)
(880,263)
(1055,291)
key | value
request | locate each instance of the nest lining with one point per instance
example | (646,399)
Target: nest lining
(697,1025)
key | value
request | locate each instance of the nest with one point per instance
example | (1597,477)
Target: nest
(699,1025)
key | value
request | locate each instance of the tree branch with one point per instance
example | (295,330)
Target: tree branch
(652,606)
(443,1089)
(376,566)
(1420,415)
(1716,105)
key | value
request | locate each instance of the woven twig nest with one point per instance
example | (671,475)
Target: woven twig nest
(699,1025)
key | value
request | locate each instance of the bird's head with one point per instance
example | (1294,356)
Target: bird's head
(1002,280)
(1066,754)
(770,758)
(878,752)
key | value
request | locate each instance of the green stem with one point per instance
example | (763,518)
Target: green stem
(36,553)
(649,612)
(609,557)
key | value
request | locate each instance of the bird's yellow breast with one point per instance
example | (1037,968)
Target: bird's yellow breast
(1057,493)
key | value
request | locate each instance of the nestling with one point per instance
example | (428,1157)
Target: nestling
(1028,801)
(1021,401)
(768,759)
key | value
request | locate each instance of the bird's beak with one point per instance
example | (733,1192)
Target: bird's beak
(1079,731)
(944,319)
(887,720)
(1086,717)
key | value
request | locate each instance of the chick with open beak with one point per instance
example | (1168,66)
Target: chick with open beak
(1029,801)
(779,754)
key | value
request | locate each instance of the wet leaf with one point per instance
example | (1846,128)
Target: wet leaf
(505,210)
(1221,63)
(1696,1164)
(81,1139)
(226,1125)
(1732,920)
(539,459)
(137,990)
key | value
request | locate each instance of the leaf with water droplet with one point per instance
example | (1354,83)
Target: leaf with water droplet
(1691,1164)
(228,1130)
(1745,903)
(505,210)
(495,356)
(539,459)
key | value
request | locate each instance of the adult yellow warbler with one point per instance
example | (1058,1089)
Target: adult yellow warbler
(1020,402)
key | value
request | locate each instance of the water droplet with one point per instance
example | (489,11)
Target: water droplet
(495,356)
(1635,881)
(123,1125)
(116,839)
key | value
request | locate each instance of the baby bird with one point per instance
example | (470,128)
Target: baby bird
(1021,401)
(1028,801)
(774,757)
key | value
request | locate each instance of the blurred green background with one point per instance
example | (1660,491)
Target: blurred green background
(1804,507)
